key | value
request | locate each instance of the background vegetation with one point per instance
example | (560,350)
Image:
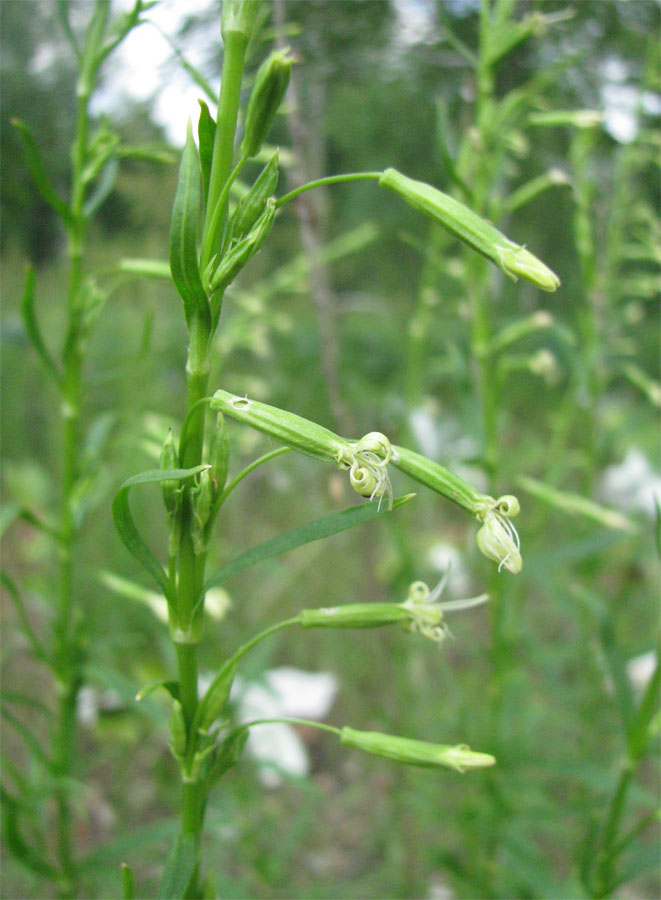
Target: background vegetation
(364,322)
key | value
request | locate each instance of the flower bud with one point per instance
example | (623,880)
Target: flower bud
(202,496)
(376,443)
(461,221)
(170,489)
(415,753)
(217,695)
(219,453)
(252,205)
(238,255)
(363,481)
(267,95)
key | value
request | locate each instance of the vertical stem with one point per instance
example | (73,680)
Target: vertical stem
(190,565)
(67,652)
(235,43)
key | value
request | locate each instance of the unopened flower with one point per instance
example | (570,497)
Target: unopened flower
(498,538)
(415,753)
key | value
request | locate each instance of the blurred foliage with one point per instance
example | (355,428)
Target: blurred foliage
(372,81)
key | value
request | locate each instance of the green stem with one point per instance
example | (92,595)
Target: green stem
(267,632)
(636,745)
(217,216)
(248,469)
(66,650)
(223,150)
(286,720)
(190,566)
(330,179)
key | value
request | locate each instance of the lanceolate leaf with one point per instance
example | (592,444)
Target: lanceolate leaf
(183,238)
(179,867)
(32,328)
(304,534)
(206,133)
(103,187)
(39,175)
(126,527)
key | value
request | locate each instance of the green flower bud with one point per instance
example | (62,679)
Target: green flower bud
(252,205)
(267,95)
(219,453)
(461,221)
(202,496)
(170,489)
(238,255)
(238,16)
(364,481)
(415,753)
(215,699)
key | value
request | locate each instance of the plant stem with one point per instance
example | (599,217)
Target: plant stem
(285,720)
(248,469)
(67,652)
(223,149)
(190,565)
(330,179)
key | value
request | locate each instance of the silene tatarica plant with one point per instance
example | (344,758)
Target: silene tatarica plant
(194,474)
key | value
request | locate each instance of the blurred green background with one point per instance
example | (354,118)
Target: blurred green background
(372,335)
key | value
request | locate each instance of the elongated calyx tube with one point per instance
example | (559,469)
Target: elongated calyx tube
(514,260)
(497,538)
(421,612)
(415,753)
(267,94)
(367,459)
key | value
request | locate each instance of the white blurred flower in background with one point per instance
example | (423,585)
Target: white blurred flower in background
(284,691)
(640,670)
(632,484)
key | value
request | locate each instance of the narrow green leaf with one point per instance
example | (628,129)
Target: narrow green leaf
(304,534)
(576,505)
(172,687)
(128,882)
(126,527)
(124,687)
(32,326)
(30,740)
(612,655)
(63,16)
(146,268)
(11,512)
(132,839)
(37,648)
(206,133)
(227,755)
(179,868)
(183,237)
(21,851)
(103,187)
(38,172)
